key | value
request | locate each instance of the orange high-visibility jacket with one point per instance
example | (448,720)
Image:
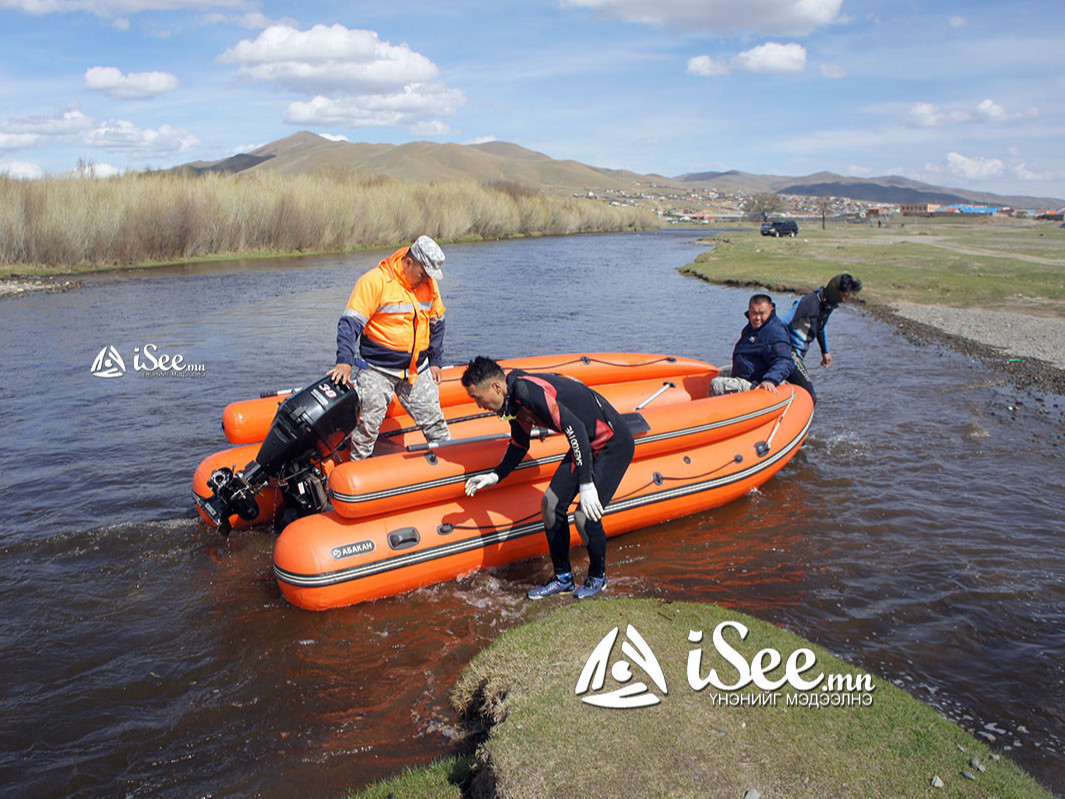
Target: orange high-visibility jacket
(397,327)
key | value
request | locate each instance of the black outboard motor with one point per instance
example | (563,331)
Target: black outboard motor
(309,426)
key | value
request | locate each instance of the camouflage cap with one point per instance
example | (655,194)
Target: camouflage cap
(428,253)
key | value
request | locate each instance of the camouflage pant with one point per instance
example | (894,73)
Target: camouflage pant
(376,389)
(725,383)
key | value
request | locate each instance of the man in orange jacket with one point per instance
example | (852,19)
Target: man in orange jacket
(396,317)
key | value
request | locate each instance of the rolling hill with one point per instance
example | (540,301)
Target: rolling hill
(497,161)
(886,189)
(426,161)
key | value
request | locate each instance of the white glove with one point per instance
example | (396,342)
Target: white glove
(590,504)
(479,481)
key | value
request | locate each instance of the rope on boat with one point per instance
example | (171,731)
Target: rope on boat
(586,360)
(791,399)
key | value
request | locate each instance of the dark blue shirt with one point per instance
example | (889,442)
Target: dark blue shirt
(763,354)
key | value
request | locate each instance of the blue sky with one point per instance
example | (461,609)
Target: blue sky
(967,95)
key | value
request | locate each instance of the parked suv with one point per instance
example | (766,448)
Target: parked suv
(788,227)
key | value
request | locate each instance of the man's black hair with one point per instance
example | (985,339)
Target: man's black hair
(481,369)
(760,298)
(849,283)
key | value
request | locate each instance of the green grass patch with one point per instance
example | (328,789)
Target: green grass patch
(446,778)
(543,741)
(987,264)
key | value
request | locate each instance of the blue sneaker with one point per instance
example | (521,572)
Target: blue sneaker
(558,584)
(591,587)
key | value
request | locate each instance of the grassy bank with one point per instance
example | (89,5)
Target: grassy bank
(61,225)
(990,263)
(541,740)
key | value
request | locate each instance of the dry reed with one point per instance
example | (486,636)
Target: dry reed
(72,222)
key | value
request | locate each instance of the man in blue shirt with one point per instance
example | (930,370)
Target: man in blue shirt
(762,357)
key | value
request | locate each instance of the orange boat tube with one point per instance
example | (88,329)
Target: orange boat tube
(690,459)
(247,421)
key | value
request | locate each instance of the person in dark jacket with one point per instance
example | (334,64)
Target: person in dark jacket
(806,321)
(762,357)
(601,448)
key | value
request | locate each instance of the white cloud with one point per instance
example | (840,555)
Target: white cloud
(352,77)
(833,71)
(768,58)
(413,106)
(705,66)
(110,9)
(772,17)
(61,123)
(431,127)
(91,169)
(990,111)
(105,170)
(134,86)
(35,131)
(958,22)
(975,168)
(772,58)
(857,171)
(927,115)
(1021,171)
(252,20)
(323,60)
(244,148)
(117,135)
(334,136)
(21,170)
(966,168)
(19,141)
(481,140)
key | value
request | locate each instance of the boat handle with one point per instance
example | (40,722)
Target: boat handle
(404,539)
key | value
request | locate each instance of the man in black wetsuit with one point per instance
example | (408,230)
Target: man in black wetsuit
(601,448)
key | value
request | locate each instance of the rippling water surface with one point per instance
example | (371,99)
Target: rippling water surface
(918,533)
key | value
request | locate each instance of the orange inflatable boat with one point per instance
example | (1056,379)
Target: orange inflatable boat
(401,519)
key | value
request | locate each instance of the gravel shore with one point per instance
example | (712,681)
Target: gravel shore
(1016,334)
(1029,349)
(14,286)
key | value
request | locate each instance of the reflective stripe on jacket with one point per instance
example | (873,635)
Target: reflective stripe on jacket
(397,327)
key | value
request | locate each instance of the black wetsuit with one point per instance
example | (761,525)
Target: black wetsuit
(601,448)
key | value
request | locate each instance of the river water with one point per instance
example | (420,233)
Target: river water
(918,533)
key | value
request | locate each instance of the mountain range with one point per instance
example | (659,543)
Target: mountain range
(498,161)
